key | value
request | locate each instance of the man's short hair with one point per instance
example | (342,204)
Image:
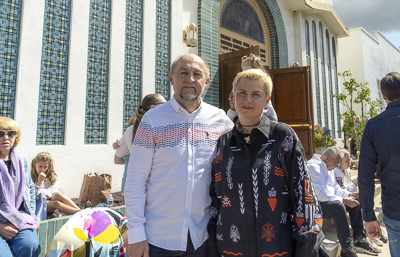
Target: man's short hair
(175,63)
(255,75)
(390,86)
(333,152)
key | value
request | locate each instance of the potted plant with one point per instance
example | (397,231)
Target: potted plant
(322,138)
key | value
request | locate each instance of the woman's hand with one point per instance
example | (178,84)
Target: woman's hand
(116,145)
(8,231)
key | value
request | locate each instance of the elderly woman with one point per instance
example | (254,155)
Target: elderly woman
(18,235)
(252,213)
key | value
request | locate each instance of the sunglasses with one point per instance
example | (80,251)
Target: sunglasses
(9,133)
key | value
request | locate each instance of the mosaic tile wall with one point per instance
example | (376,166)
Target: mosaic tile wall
(317,92)
(208,16)
(10,22)
(133,58)
(163,42)
(324,95)
(332,106)
(97,72)
(54,73)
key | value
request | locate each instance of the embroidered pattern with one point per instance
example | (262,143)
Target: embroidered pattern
(235,233)
(279,172)
(229,172)
(219,220)
(268,232)
(218,177)
(219,237)
(226,202)
(232,253)
(240,185)
(273,255)
(255,190)
(267,166)
(213,212)
(218,157)
(287,143)
(283,218)
(272,200)
(299,221)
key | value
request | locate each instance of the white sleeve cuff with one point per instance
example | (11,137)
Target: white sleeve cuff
(136,234)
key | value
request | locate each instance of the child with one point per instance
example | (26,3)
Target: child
(45,179)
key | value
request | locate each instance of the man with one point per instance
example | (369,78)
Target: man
(335,201)
(381,142)
(169,171)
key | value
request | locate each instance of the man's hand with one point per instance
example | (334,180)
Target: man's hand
(140,249)
(373,228)
(354,194)
(350,201)
(8,231)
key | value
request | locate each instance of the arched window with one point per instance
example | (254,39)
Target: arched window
(333,52)
(307,36)
(240,17)
(321,43)
(314,38)
(328,56)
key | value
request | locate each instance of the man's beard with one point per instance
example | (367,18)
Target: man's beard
(189,97)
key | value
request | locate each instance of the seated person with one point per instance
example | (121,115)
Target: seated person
(45,179)
(335,201)
(343,173)
(97,231)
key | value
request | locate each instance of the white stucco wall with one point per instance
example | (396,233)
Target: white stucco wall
(75,158)
(369,58)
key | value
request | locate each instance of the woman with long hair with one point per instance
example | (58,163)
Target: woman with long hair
(124,145)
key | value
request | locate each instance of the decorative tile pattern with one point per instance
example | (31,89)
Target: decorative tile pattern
(339,125)
(97,72)
(163,42)
(324,94)
(54,73)
(133,58)
(317,91)
(307,37)
(10,22)
(331,100)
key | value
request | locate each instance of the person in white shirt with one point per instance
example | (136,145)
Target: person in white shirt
(335,201)
(343,173)
(169,173)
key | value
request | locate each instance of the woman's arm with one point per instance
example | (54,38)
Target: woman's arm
(118,160)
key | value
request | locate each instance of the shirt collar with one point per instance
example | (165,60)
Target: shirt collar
(393,104)
(263,127)
(317,158)
(178,108)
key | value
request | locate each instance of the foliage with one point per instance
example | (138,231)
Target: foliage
(323,137)
(356,93)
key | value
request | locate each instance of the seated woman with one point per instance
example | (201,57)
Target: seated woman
(18,236)
(252,211)
(343,173)
(97,231)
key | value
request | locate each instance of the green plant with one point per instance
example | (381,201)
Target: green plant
(356,93)
(323,137)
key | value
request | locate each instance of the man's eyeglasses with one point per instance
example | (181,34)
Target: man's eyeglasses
(9,133)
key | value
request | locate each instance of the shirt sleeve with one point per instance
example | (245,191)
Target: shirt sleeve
(139,168)
(318,178)
(366,175)
(124,146)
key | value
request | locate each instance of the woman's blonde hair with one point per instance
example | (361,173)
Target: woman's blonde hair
(7,123)
(51,176)
(255,75)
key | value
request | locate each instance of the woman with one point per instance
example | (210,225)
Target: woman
(97,231)
(18,236)
(251,213)
(124,145)
(343,173)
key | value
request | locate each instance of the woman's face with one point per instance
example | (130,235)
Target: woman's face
(7,140)
(42,166)
(250,100)
(345,163)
